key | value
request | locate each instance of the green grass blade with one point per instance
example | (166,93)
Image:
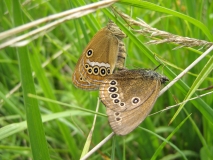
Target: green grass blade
(168,138)
(207,111)
(48,92)
(38,142)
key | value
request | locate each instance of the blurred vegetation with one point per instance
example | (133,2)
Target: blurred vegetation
(66,133)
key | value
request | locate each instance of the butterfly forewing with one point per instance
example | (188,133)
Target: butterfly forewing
(80,82)
(99,58)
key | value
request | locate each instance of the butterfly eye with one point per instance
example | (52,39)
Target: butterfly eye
(114,95)
(89,70)
(164,79)
(113,82)
(86,66)
(116,101)
(122,104)
(96,70)
(89,53)
(103,71)
(116,114)
(113,89)
(118,119)
(108,71)
(135,100)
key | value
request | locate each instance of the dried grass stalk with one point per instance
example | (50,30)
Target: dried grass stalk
(164,37)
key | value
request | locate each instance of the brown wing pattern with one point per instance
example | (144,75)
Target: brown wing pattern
(129,96)
(124,122)
(91,70)
(129,86)
(102,54)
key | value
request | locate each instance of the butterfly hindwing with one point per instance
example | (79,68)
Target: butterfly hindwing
(124,122)
(129,96)
(116,90)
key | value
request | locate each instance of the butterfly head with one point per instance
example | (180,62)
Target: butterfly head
(154,75)
(164,79)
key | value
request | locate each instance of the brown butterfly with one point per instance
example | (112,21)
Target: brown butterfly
(129,96)
(103,54)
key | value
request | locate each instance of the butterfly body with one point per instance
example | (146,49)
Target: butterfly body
(100,58)
(129,96)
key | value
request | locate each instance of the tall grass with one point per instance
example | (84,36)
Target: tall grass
(55,123)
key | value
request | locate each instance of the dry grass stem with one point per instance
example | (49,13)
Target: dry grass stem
(186,70)
(89,137)
(178,104)
(61,18)
(164,37)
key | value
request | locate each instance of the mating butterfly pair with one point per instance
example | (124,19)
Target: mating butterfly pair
(129,95)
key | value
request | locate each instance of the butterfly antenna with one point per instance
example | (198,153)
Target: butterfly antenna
(157,67)
(121,15)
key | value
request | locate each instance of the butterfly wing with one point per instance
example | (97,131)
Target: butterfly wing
(80,82)
(129,96)
(124,122)
(97,61)
(126,90)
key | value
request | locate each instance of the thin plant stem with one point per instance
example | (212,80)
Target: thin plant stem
(98,146)
(186,70)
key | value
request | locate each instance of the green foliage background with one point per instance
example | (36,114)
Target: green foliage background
(66,127)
